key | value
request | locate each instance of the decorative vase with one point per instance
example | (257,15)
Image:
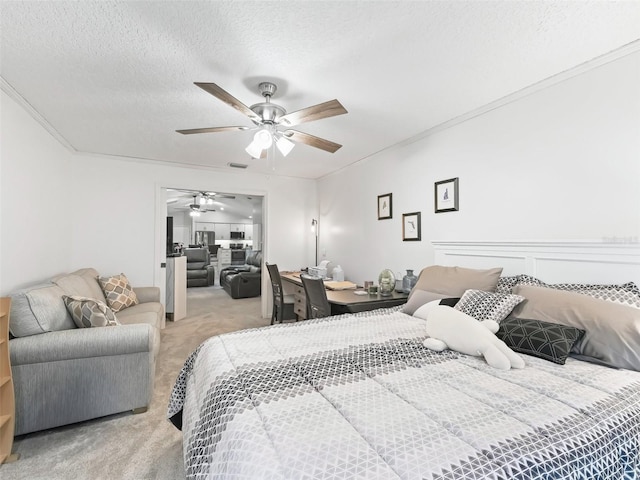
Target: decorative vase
(387,282)
(409,281)
(399,282)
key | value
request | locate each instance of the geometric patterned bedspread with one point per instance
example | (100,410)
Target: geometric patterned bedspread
(359,396)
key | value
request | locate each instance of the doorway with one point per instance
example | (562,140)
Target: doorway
(229,225)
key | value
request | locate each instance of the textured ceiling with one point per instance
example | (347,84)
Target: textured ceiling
(116,78)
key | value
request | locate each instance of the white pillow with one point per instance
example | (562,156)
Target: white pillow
(423,311)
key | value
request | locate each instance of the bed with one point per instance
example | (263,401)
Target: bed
(360,396)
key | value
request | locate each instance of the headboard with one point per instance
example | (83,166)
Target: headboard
(551,262)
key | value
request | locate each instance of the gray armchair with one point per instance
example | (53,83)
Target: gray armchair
(243,281)
(199,271)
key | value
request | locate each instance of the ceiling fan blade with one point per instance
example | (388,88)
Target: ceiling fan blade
(210,130)
(309,114)
(229,99)
(312,140)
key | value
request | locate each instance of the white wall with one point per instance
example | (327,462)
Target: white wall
(61,211)
(560,164)
(35,195)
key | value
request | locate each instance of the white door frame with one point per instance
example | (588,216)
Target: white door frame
(160,254)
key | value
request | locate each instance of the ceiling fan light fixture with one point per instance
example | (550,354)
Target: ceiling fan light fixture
(269,117)
(263,139)
(194,213)
(254,150)
(285,146)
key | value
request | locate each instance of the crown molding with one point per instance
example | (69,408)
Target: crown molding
(596,62)
(20,100)
(587,66)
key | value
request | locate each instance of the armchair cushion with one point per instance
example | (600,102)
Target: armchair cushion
(147,294)
(39,309)
(150,312)
(83,282)
(197,258)
(199,271)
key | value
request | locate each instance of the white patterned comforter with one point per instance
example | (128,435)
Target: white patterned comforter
(359,396)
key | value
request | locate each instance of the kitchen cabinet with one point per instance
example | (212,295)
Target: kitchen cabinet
(223,231)
(248,232)
(205,227)
(237,227)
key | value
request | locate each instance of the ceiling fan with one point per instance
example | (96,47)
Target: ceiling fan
(198,207)
(272,121)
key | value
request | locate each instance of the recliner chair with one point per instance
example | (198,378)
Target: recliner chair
(199,271)
(243,281)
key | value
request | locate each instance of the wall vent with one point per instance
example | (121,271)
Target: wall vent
(237,165)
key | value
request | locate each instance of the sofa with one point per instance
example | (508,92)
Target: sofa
(64,374)
(199,271)
(243,281)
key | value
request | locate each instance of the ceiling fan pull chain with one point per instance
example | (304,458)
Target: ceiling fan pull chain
(271,157)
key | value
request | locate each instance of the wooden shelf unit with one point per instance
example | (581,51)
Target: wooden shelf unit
(7,400)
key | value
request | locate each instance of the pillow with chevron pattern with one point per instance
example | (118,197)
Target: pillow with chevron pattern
(549,341)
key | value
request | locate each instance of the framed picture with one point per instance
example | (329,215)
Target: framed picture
(446,195)
(384,206)
(411,227)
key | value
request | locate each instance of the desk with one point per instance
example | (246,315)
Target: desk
(341,301)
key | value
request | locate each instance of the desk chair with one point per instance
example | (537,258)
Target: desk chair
(282,304)
(317,303)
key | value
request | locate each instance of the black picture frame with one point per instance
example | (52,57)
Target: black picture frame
(446,195)
(411,227)
(385,206)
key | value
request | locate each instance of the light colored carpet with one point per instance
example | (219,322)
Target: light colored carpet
(127,446)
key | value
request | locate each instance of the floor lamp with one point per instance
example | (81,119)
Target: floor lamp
(314,229)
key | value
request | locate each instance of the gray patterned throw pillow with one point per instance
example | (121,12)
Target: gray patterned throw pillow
(483,305)
(625,294)
(550,341)
(506,284)
(118,292)
(88,312)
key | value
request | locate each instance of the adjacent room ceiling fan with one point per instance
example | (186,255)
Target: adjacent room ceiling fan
(272,121)
(198,207)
